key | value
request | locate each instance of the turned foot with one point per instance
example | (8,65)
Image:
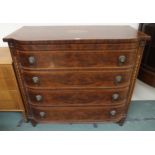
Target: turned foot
(33,122)
(121,122)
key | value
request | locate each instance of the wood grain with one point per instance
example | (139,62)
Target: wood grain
(58,46)
(5,56)
(77,34)
(73,79)
(6,71)
(77,114)
(76,76)
(76,59)
(7,84)
(10,97)
(75,97)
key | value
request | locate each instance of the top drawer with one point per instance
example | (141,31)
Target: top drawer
(76,59)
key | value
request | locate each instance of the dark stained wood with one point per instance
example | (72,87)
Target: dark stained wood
(77,114)
(76,34)
(74,46)
(73,79)
(77,97)
(76,59)
(77,69)
(134,76)
(147,68)
(147,76)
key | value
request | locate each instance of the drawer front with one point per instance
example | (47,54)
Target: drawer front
(73,79)
(77,97)
(77,114)
(72,59)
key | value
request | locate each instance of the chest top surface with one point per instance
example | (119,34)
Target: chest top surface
(76,34)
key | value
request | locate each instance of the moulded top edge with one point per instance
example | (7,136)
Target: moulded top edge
(76,34)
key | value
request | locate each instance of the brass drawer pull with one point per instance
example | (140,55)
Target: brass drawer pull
(42,114)
(118,79)
(38,98)
(121,59)
(113,112)
(32,60)
(115,96)
(35,79)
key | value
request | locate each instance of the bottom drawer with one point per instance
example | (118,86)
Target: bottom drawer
(78,114)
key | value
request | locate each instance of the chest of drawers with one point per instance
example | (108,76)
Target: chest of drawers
(76,74)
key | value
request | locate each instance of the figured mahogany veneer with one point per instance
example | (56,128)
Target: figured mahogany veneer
(77,114)
(76,59)
(77,97)
(82,79)
(76,74)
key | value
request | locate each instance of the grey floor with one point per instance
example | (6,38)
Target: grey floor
(141,117)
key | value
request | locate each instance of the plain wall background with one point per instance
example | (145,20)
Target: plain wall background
(8,28)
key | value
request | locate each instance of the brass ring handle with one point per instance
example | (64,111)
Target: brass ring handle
(31,60)
(38,98)
(35,79)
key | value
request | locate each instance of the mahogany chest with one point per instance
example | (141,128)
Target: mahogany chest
(76,74)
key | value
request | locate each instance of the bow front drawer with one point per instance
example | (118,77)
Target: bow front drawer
(72,79)
(77,114)
(77,97)
(76,59)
